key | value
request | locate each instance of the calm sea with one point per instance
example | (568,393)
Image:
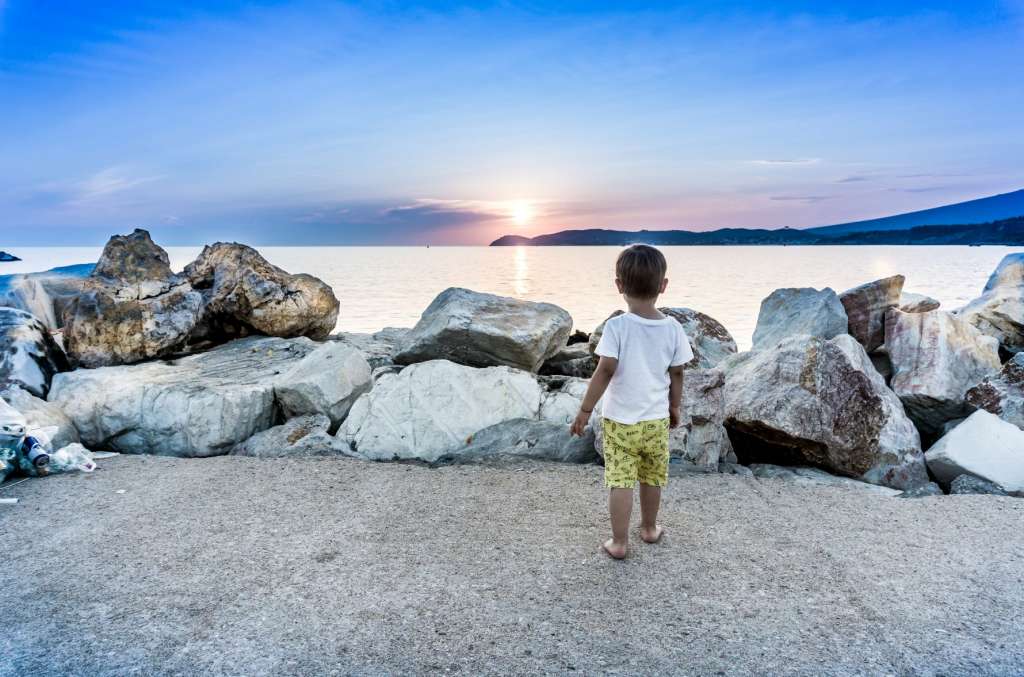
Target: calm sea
(390,286)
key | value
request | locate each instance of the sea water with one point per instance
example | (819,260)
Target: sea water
(390,286)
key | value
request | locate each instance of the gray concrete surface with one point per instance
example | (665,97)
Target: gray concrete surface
(332,566)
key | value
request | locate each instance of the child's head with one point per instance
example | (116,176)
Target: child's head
(640,272)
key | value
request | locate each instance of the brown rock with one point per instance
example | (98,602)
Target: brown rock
(866,306)
(244,294)
(132,307)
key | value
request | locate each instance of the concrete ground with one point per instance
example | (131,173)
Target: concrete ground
(233,565)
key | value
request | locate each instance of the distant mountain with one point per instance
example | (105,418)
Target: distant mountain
(987,220)
(1002,232)
(981,210)
(595,236)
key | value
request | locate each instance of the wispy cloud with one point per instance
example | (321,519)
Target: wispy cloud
(806,199)
(107,182)
(922,189)
(787,162)
(93,190)
(854,179)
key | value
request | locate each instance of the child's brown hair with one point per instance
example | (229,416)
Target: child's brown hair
(641,268)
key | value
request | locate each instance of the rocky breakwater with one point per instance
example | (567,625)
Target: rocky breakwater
(463,386)
(133,307)
(206,404)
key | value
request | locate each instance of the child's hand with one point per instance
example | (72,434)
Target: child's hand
(673,417)
(582,419)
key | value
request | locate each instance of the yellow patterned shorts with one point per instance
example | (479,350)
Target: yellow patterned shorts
(635,452)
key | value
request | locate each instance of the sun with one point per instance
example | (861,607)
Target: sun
(522,212)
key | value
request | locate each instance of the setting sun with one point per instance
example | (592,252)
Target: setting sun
(522,213)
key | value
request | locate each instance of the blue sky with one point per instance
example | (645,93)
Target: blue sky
(387,122)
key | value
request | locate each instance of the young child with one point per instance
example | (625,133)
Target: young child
(640,375)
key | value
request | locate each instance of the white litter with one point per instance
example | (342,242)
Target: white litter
(105,454)
(8,501)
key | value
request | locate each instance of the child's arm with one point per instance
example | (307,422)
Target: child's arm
(598,384)
(675,395)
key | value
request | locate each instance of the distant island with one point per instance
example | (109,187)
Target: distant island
(995,220)
(1004,232)
(4,256)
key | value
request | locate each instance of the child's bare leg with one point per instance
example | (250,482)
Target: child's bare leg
(650,501)
(620,505)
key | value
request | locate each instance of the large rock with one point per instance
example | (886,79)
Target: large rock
(812,401)
(326,381)
(483,330)
(936,357)
(866,307)
(29,357)
(434,410)
(999,311)
(244,294)
(42,415)
(710,341)
(984,446)
(1002,394)
(132,307)
(700,439)
(200,405)
(917,303)
(799,312)
(300,436)
(47,294)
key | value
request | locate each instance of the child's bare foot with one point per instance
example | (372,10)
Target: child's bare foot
(614,550)
(650,535)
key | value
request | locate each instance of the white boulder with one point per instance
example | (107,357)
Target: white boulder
(984,446)
(326,381)
(200,405)
(999,311)
(483,330)
(799,312)
(435,409)
(936,357)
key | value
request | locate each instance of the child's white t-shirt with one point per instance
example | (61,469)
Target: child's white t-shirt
(645,349)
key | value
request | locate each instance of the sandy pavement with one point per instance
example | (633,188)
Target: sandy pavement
(335,566)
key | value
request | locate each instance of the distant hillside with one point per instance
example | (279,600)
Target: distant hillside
(1002,232)
(981,210)
(663,237)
